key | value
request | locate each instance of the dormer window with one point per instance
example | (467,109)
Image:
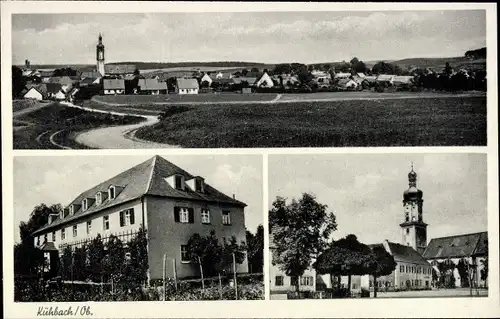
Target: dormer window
(85,204)
(111,192)
(98,198)
(179,182)
(199,187)
(71,209)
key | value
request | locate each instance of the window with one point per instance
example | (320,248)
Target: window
(178,182)
(198,184)
(45,238)
(407,269)
(412,282)
(127,217)
(371,284)
(401,268)
(75,230)
(306,281)
(89,226)
(183,215)
(105,222)
(407,231)
(226,218)
(84,205)
(184,254)
(353,286)
(205,216)
(98,198)
(53,236)
(38,241)
(278,280)
(71,209)
(63,233)
(111,192)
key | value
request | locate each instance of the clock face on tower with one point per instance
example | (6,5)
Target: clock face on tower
(101,55)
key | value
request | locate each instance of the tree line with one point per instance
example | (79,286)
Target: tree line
(302,233)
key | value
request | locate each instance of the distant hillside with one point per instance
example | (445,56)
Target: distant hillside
(171,65)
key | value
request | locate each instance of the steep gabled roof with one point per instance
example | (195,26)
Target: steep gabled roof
(187,83)
(406,254)
(151,85)
(457,246)
(113,84)
(146,178)
(119,68)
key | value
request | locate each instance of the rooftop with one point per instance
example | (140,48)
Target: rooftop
(457,246)
(146,178)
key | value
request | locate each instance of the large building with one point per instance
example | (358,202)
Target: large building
(169,202)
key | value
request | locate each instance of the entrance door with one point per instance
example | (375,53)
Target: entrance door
(427,284)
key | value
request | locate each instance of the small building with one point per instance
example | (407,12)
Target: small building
(385,78)
(60,96)
(187,86)
(90,74)
(242,79)
(89,81)
(52,89)
(119,69)
(35,93)
(206,78)
(113,86)
(342,75)
(152,86)
(265,81)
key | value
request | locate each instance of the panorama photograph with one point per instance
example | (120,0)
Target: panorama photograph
(378,226)
(138,228)
(249,79)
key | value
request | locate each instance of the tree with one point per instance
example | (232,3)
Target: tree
(96,255)
(114,260)
(205,252)
(18,82)
(227,249)
(342,67)
(204,84)
(137,72)
(254,70)
(65,72)
(384,265)
(284,68)
(386,68)
(66,263)
(484,271)
(255,250)
(80,263)
(354,61)
(304,76)
(448,70)
(137,267)
(358,67)
(301,232)
(346,257)
(244,72)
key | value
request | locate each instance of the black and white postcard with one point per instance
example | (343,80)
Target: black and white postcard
(249,159)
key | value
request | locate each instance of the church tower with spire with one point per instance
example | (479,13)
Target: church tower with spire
(413,228)
(100,56)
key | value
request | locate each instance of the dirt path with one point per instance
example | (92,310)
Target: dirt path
(39,105)
(117,137)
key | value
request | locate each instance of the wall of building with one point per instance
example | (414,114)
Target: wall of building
(166,236)
(97,225)
(418,276)
(33,94)
(274,272)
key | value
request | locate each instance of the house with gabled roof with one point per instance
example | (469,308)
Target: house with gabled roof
(187,86)
(152,86)
(113,86)
(264,81)
(170,203)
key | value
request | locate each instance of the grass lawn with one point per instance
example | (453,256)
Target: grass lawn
(35,128)
(440,121)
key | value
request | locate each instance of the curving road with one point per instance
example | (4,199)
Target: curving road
(117,137)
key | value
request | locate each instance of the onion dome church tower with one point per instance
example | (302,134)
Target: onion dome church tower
(100,56)
(413,228)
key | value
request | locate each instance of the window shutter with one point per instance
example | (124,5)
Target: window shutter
(132,219)
(191,215)
(176,214)
(121,219)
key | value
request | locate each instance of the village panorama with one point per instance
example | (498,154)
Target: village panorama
(348,102)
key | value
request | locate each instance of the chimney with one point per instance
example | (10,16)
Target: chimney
(234,197)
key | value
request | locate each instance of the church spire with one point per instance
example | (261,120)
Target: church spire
(100,38)
(412,177)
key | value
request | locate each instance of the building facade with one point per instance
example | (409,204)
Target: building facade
(168,202)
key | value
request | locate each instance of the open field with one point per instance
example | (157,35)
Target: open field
(436,121)
(53,126)
(134,100)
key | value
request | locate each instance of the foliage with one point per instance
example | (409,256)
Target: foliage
(96,255)
(476,54)
(79,263)
(114,260)
(137,267)
(205,252)
(301,231)
(255,250)
(66,269)
(386,68)
(484,270)
(65,72)
(18,82)
(365,293)
(227,249)
(384,265)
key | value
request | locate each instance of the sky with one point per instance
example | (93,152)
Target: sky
(365,192)
(266,37)
(60,179)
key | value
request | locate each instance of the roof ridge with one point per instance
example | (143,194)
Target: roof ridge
(148,185)
(469,234)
